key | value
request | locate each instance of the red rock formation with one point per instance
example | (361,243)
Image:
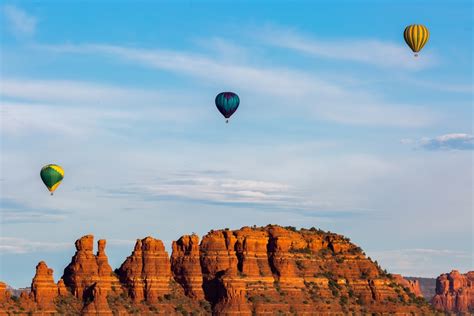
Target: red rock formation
(232,295)
(455,292)
(43,288)
(147,272)
(264,271)
(282,245)
(98,304)
(186,267)
(4,294)
(217,257)
(412,285)
(86,268)
(62,290)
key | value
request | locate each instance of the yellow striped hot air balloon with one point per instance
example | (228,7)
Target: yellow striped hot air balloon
(416,36)
(52,175)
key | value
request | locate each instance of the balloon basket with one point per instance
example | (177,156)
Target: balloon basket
(227,121)
(416,55)
(51,193)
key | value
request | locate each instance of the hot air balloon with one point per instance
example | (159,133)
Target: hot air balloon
(416,36)
(52,175)
(227,103)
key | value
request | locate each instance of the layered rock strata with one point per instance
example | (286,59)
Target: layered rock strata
(263,271)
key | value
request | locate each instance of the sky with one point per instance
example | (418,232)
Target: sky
(339,127)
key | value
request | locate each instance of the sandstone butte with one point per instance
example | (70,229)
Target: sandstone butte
(269,270)
(455,293)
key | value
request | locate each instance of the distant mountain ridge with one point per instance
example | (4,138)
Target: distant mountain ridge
(251,271)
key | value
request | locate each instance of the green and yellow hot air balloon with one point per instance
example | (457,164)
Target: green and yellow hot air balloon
(52,175)
(416,36)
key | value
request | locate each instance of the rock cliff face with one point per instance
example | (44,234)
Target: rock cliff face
(90,277)
(43,288)
(427,286)
(413,285)
(263,271)
(455,292)
(147,272)
(186,267)
(4,294)
(86,269)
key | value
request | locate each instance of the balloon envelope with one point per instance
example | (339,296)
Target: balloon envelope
(52,175)
(227,103)
(416,36)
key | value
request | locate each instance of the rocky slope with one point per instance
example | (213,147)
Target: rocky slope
(455,292)
(427,286)
(413,285)
(252,271)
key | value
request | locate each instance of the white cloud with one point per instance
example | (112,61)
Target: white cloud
(278,81)
(21,23)
(26,119)
(445,85)
(120,242)
(368,51)
(20,245)
(9,217)
(76,92)
(423,262)
(453,141)
(282,89)
(218,189)
(78,108)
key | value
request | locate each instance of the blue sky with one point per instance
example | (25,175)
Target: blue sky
(339,126)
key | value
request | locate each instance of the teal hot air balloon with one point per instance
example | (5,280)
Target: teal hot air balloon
(227,103)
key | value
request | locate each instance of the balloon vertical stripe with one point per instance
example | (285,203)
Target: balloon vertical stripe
(227,103)
(416,36)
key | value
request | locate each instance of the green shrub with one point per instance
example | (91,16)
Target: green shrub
(300,264)
(182,310)
(324,252)
(300,250)
(205,305)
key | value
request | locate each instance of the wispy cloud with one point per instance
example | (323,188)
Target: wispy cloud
(213,189)
(423,262)
(120,242)
(278,81)
(444,85)
(449,141)
(20,119)
(20,246)
(15,212)
(368,51)
(21,23)
(75,93)
(316,97)
(454,141)
(82,108)
(31,217)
